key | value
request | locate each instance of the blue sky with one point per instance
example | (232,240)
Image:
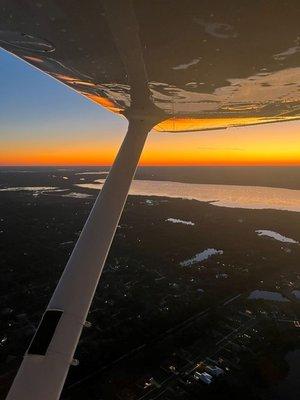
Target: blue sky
(32,104)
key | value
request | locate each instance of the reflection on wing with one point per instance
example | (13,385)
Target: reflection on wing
(207,65)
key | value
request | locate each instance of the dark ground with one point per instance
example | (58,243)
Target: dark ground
(143,292)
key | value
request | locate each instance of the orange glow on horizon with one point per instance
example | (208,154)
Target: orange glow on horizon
(272,144)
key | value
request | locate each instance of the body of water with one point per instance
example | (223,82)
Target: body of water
(266,295)
(276,236)
(204,255)
(253,197)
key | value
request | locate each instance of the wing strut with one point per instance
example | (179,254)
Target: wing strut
(46,363)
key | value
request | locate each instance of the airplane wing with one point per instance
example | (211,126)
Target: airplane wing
(204,65)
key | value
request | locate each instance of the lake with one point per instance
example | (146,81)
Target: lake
(252,197)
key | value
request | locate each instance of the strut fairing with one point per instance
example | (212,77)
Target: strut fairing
(207,64)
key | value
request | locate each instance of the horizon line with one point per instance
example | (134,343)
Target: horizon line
(142,165)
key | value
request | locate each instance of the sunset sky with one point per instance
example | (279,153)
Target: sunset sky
(46,123)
